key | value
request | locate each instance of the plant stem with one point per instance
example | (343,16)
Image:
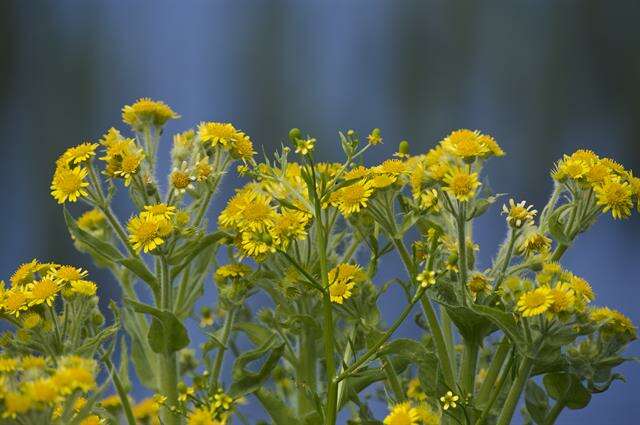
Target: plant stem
(495,391)
(117,227)
(168,359)
(226,331)
(306,371)
(469,364)
(554,412)
(392,378)
(515,391)
(438,339)
(122,393)
(462,251)
(447,332)
(494,370)
(202,209)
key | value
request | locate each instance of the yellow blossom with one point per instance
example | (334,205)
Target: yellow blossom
(217,133)
(461,184)
(535,243)
(83,287)
(42,291)
(25,273)
(146,112)
(68,274)
(69,185)
(342,279)
(518,214)
(80,153)
(615,196)
(305,146)
(562,298)
(402,414)
(465,144)
(145,232)
(535,302)
(16,300)
(232,271)
(374,138)
(351,199)
(449,400)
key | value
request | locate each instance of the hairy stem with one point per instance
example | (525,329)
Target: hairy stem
(494,370)
(515,391)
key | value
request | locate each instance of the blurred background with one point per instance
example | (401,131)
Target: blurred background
(543,78)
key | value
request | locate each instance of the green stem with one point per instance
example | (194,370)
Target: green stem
(168,360)
(226,332)
(462,251)
(306,371)
(122,393)
(447,332)
(515,391)
(438,339)
(392,378)
(495,391)
(202,209)
(117,227)
(553,414)
(494,370)
(469,364)
(507,258)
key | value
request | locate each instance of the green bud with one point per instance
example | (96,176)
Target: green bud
(97,319)
(295,134)
(403,147)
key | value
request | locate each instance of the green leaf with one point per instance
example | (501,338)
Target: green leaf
(166,333)
(504,321)
(191,249)
(279,412)
(123,371)
(568,388)
(472,325)
(144,360)
(536,401)
(258,334)
(244,380)
(556,227)
(102,248)
(138,267)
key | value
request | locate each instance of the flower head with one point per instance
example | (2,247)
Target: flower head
(615,196)
(80,153)
(84,287)
(68,184)
(146,112)
(147,232)
(351,199)
(304,146)
(342,279)
(402,414)
(449,400)
(518,214)
(461,184)
(374,138)
(535,243)
(217,133)
(535,302)
(42,292)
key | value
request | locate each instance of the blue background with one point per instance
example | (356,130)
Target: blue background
(543,77)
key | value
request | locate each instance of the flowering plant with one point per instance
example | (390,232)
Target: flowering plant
(310,236)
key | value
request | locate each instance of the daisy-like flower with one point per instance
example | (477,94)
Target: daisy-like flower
(42,292)
(231,215)
(42,390)
(257,244)
(232,271)
(129,165)
(146,409)
(461,184)
(147,112)
(145,232)
(465,144)
(81,153)
(351,199)
(221,402)
(181,180)
(428,200)
(84,287)
(612,321)
(394,167)
(426,278)
(91,220)
(582,288)
(518,214)
(478,284)
(562,298)
(535,302)
(449,400)
(402,414)
(15,404)
(217,133)
(67,274)
(374,138)
(159,210)
(289,225)
(203,169)
(568,167)
(31,320)
(15,301)
(304,146)
(342,279)
(534,243)
(69,185)
(615,196)
(242,147)
(383,180)
(25,273)
(258,214)
(201,416)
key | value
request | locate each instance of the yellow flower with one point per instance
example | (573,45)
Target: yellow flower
(569,167)
(414,390)
(81,153)
(351,199)
(84,287)
(449,400)
(535,243)
(159,210)
(427,415)
(232,271)
(402,414)
(518,214)
(42,390)
(288,225)
(231,215)
(147,112)
(598,173)
(25,273)
(31,320)
(242,147)
(69,184)
(203,169)
(129,165)
(612,321)
(15,404)
(304,146)
(68,274)
(428,200)
(185,392)
(201,416)
(562,298)
(91,220)
(535,302)
(146,409)
(426,278)
(342,279)
(582,288)
(257,215)
(145,232)
(33,362)
(221,402)
(461,184)
(216,133)
(257,244)
(383,180)
(15,301)
(8,364)
(615,196)
(181,180)
(394,167)
(42,291)
(374,138)
(465,144)
(478,284)
(91,420)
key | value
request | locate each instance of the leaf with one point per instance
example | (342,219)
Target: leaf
(144,360)
(258,334)
(568,388)
(536,401)
(472,326)
(246,381)
(102,248)
(279,412)
(138,267)
(191,249)
(556,227)
(123,370)
(504,321)
(403,347)
(166,333)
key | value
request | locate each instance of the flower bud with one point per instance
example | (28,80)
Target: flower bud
(403,147)
(295,134)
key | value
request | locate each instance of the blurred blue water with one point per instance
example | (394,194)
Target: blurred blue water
(543,77)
